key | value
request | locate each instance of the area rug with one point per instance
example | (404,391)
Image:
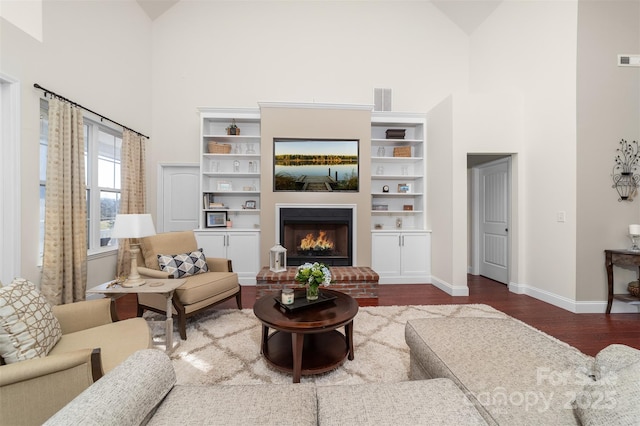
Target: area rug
(223,346)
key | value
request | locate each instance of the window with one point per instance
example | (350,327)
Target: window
(103,147)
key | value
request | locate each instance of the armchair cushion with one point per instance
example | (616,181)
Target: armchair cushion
(28,328)
(183,265)
(168,242)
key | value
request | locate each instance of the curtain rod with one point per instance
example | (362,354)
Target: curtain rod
(37,86)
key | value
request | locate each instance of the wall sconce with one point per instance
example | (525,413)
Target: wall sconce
(626,172)
(278,258)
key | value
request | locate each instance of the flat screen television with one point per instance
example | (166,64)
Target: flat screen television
(320,165)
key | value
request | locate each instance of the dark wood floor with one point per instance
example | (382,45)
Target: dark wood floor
(588,332)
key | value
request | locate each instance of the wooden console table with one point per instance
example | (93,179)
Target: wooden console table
(620,258)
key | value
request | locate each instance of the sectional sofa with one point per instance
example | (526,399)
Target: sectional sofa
(464,371)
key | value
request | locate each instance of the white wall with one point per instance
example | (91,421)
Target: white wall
(96,53)
(608,102)
(529,49)
(236,54)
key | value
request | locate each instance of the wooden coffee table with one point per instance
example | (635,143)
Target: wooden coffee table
(306,341)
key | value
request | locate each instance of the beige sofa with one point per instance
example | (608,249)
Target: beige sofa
(148,380)
(515,374)
(91,345)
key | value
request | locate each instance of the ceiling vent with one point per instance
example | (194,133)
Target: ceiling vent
(629,60)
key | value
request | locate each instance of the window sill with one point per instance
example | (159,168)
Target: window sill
(102,252)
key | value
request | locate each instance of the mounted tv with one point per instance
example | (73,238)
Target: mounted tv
(315,165)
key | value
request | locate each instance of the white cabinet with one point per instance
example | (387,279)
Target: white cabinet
(398,168)
(230,167)
(242,247)
(401,257)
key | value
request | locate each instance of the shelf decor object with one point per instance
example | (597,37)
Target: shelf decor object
(626,172)
(233,129)
(133,226)
(634,233)
(218,148)
(216,219)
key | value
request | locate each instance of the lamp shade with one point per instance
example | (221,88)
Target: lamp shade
(133,226)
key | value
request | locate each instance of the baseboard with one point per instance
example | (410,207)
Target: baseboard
(577,307)
(450,289)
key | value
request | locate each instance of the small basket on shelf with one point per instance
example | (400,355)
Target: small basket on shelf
(634,288)
(402,151)
(219,148)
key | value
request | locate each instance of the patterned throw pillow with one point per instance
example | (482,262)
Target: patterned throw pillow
(28,328)
(183,265)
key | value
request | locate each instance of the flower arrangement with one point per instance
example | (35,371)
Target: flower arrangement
(313,275)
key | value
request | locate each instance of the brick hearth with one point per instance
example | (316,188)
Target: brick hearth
(357,281)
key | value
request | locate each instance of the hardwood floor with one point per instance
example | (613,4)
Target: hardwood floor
(588,332)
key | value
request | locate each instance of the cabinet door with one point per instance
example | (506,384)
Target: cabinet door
(213,244)
(385,253)
(416,259)
(243,250)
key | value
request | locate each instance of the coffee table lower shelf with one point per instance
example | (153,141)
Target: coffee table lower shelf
(321,352)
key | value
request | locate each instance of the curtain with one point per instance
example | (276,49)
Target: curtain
(64,269)
(134,190)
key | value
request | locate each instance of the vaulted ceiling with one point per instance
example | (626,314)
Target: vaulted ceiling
(467,14)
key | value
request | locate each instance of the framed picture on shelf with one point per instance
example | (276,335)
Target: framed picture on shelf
(404,187)
(224,185)
(216,219)
(249,205)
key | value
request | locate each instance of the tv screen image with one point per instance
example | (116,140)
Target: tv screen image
(315,164)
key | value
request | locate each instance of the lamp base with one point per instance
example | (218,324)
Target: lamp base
(133,283)
(634,243)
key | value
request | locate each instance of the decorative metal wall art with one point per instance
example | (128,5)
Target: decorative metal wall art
(626,172)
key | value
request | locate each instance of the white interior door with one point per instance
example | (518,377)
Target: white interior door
(178,197)
(494,220)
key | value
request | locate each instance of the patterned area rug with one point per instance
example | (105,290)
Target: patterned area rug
(223,347)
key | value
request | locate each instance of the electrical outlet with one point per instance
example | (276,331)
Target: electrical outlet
(561,216)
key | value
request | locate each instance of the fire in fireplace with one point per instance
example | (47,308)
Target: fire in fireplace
(317,235)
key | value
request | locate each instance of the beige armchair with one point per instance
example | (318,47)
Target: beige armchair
(199,292)
(31,391)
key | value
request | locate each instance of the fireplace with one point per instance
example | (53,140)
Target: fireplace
(317,235)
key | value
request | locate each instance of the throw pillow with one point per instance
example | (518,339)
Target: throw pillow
(28,328)
(612,398)
(183,265)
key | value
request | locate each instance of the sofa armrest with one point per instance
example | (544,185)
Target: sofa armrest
(152,273)
(31,391)
(83,315)
(127,395)
(219,264)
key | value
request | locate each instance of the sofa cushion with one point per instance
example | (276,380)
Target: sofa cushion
(183,265)
(514,373)
(239,405)
(203,286)
(420,402)
(28,328)
(127,395)
(116,340)
(612,398)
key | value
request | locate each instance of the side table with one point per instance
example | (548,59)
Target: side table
(620,258)
(165,287)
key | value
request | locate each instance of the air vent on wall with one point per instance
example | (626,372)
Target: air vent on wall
(629,60)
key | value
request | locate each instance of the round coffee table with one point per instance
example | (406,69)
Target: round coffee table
(306,340)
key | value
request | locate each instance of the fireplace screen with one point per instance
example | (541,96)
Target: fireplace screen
(318,239)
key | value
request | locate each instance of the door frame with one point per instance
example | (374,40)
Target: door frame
(474,211)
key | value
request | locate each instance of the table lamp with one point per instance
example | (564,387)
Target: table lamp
(634,233)
(133,226)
